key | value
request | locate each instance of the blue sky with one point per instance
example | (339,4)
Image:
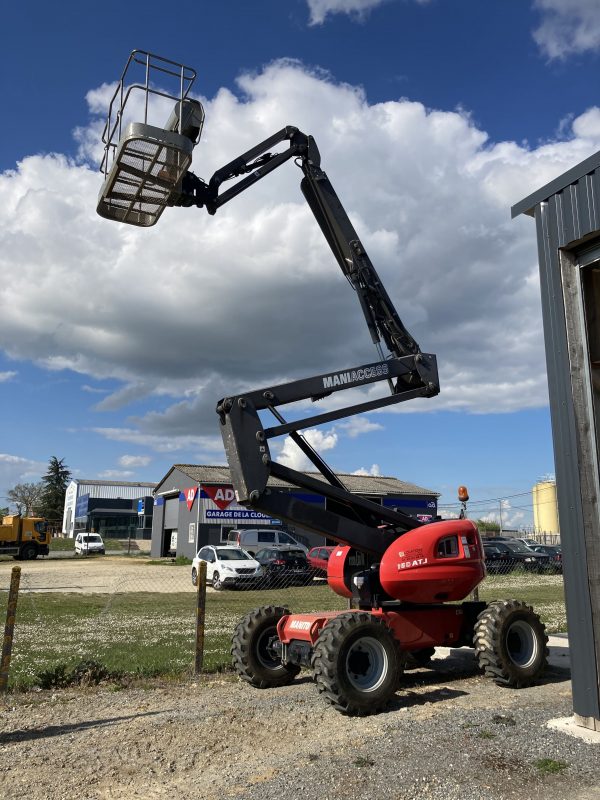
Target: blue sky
(433,117)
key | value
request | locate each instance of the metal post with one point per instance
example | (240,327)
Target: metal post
(11,612)
(200,617)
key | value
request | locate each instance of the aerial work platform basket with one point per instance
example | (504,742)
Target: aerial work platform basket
(144,162)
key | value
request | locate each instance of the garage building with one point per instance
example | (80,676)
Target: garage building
(195,505)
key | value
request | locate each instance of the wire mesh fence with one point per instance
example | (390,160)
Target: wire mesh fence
(93,617)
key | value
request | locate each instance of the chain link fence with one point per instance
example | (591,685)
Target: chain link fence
(89,618)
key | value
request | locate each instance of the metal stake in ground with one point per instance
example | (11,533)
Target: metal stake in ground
(9,628)
(200,616)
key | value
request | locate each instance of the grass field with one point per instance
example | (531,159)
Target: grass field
(149,634)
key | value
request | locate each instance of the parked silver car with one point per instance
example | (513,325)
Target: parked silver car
(255,539)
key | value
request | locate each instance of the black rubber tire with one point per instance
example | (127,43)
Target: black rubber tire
(253,660)
(28,552)
(357,663)
(217,584)
(511,644)
(194,577)
(420,658)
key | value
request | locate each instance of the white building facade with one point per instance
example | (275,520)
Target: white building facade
(80,491)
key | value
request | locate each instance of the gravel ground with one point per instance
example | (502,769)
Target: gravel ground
(97,574)
(449,735)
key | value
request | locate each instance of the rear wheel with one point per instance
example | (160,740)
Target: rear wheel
(194,576)
(357,663)
(511,643)
(254,657)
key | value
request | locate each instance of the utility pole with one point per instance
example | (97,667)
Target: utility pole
(500,516)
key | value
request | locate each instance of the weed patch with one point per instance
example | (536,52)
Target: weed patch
(550,766)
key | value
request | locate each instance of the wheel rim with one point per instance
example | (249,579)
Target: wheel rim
(264,651)
(216,581)
(522,644)
(194,576)
(366,664)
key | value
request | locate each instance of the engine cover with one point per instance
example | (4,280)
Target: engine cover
(439,562)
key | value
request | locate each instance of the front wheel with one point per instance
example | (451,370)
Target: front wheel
(357,663)
(217,583)
(29,552)
(511,643)
(254,658)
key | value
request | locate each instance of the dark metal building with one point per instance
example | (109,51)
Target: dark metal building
(567,216)
(195,505)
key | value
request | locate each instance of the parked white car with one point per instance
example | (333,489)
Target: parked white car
(86,543)
(529,542)
(226,566)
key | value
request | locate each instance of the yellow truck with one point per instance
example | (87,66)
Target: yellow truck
(24,537)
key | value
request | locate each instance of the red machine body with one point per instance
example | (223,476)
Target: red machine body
(416,628)
(436,563)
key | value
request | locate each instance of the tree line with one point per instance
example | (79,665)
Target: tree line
(45,498)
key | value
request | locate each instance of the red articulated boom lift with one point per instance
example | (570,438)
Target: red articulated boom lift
(408,580)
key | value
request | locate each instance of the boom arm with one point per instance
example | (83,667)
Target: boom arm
(409,373)
(146,168)
(382,318)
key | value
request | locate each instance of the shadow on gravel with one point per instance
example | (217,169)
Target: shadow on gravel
(61,730)
(556,674)
(461,664)
(408,699)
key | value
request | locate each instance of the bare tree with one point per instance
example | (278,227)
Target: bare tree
(27,497)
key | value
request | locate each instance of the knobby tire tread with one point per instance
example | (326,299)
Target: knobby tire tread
(489,642)
(324,663)
(243,645)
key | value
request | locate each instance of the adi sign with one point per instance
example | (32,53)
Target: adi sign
(222,496)
(190,496)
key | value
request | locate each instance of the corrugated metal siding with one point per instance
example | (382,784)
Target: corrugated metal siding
(565,219)
(172,513)
(574,212)
(114,491)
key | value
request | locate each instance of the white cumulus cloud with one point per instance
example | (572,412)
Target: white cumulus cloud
(200,307)
(291,455)
(568,27)
(320,9)
(16,469)
(356,426)
(374,470)
(134,461)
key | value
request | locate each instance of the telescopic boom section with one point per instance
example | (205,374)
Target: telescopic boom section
(409,373)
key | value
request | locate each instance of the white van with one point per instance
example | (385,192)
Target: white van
(254,539)
(88,543)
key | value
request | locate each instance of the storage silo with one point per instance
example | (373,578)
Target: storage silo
(545,507)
